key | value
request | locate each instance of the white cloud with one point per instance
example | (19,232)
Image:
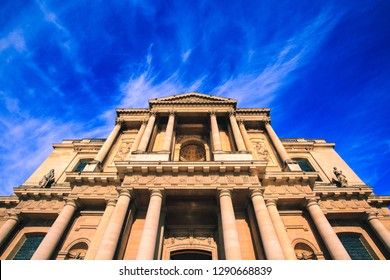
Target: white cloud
(14,40)
(260,88)
(186,55)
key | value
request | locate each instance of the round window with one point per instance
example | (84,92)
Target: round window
(192,152)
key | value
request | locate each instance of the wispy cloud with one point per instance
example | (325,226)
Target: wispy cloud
(14,40)
(261,87)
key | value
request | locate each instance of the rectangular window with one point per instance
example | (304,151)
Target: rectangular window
(28,248)
(80,167)
(355,247)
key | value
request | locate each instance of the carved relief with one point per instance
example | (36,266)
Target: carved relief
(123,151)
(285,189)
(260,150)
(93,190)
(40,205)
(343,204)
(188,180)
(189,238)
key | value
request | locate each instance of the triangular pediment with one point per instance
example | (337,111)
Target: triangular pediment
(191,98)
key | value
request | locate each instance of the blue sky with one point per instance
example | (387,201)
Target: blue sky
(322,66)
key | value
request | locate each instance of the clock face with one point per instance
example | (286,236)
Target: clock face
(192,152)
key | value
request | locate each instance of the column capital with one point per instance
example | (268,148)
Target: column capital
(241,122)
(267,121)
(125,192)
(71,202)
(372,215)
(271,202)
(256,192)
(231,113)
(13,216)
(224,192)
(212,112)
(119,121)
(172,112)
(111,202)
(156,192)
(311,202)
(153,113)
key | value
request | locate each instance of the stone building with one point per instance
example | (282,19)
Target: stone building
(194,177)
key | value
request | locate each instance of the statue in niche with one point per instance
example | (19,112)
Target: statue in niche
(341,181)
(47,180)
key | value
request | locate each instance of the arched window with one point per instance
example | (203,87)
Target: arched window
(305,165)
(29,246)
(356,248)
(82,164)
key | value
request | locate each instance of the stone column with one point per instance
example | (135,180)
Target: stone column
(137,139)
(244,134)
(148,240)
(49,243)
(8,227)
(111,235)
(237,133)
(379,229)
(215,132)
(330,238)
(277,143)
(280,230)
(109,141)
(229,228)
(169,133)
(148,132)
(98,236)
(272,248)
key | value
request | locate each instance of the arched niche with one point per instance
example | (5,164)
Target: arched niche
(77,249)
(305,250)
(191,141)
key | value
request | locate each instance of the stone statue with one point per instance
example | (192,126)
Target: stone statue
(341,179)
(47,180)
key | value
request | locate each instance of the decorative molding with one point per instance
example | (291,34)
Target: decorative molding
(228,180)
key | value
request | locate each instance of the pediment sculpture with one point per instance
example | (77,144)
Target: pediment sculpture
(341,181)
(47,180)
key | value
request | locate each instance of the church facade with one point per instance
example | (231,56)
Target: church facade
(194,177)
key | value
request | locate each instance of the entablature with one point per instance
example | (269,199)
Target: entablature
(145,167)
(379,200)
(288,178)
(93,177)
(9,201)
(59,191)
(332,191)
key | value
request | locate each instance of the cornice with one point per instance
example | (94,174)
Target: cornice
(131,111)
(331,191)
(379,200)
(93,177)
(56,191)
(253,111)
(146,167)
(288,178)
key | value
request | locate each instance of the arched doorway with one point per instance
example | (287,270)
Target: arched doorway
(190,255)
